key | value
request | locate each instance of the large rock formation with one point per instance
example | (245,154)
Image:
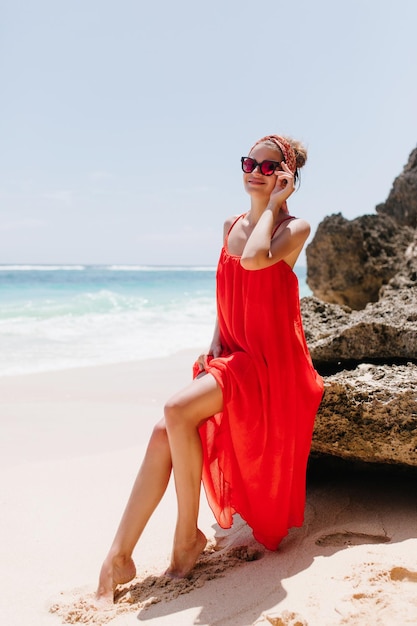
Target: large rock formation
(349,261)
(361,328)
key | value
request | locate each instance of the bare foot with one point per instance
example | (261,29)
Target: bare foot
(115,571)
(185,555)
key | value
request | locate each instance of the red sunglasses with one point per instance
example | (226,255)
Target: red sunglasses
(267,168)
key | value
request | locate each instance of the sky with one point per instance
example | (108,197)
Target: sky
(122,123)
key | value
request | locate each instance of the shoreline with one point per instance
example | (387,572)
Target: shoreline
(71,446)
(63,318)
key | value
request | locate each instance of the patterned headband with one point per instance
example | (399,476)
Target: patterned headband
(285,147)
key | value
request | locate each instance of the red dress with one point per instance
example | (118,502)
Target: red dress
(255,452)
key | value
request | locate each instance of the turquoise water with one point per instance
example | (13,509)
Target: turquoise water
(54,317)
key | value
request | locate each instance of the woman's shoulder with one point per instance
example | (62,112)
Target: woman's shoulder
(295,224)
(229,223)
(233,218)
(300,224)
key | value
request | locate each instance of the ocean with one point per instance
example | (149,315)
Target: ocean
(62,316)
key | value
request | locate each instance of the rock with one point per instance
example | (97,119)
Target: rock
(361,329)
(349,261)
(369,414)
(401,204)
(384,331)
(407,276)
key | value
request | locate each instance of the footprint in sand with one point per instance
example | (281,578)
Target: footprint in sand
(350,539)
(287,618)
(402,573)
(386,595)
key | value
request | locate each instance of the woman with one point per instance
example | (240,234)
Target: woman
(244,424)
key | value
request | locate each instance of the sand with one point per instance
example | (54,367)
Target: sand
(70,448)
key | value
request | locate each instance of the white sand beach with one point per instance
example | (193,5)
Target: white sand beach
(71,444)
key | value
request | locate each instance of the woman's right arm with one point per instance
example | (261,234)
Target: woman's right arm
(215,348)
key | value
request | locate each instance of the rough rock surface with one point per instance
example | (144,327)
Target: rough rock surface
(385,330)
(401,203)
(349,261)
(370,414)
(407,276)
(361,328)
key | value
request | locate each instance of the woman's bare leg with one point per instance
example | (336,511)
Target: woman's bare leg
(184,413)
(148,489)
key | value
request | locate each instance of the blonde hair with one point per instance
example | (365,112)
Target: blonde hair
(300,151)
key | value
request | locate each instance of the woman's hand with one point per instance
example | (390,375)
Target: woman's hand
(284,185)
(214,351)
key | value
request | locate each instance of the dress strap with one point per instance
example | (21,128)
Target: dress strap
(289,217)
(236,220)
(226,239)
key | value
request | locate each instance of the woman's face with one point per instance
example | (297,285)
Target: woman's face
(256,183)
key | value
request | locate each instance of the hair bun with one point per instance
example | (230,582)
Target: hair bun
(300,151)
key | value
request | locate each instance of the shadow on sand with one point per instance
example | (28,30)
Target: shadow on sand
(348,504)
